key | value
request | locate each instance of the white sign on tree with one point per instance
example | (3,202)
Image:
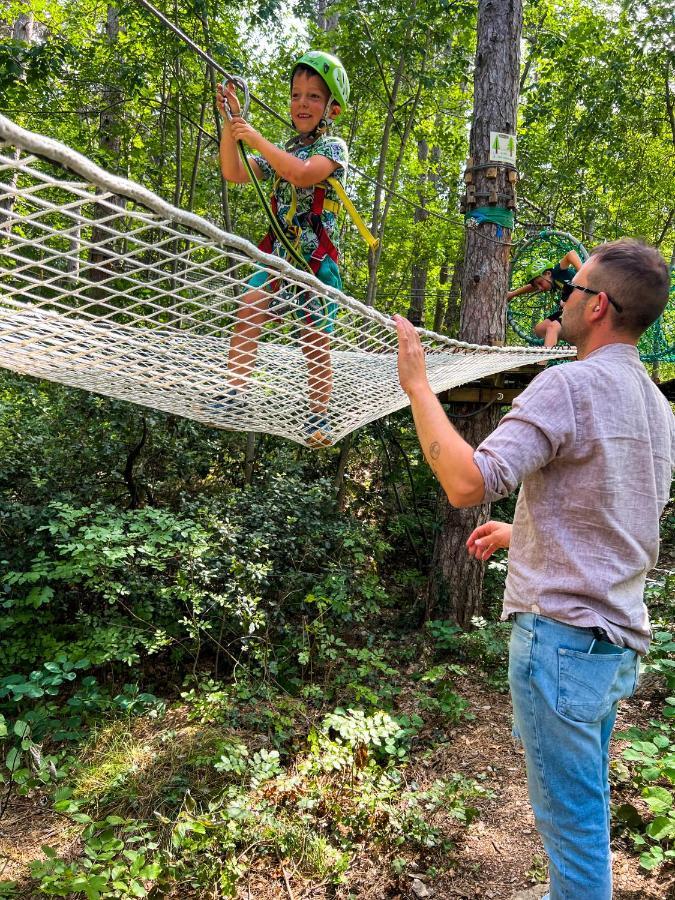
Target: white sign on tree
(503,147)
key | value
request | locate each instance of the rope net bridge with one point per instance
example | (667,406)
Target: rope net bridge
(106,287)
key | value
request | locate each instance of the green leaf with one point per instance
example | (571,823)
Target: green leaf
(651,860)
(658,799)
(662,828)
(13,759)
(21,728)
(627,813)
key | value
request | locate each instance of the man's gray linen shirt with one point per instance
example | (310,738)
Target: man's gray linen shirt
(593,443)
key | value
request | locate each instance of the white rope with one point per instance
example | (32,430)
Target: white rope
(106,287)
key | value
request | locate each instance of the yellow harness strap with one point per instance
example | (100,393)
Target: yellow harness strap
(331,206)
(372,242)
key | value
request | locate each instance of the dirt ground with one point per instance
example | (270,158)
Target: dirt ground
(498,856)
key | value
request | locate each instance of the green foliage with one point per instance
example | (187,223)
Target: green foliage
(119,859)
(595,130)
(660,660)
(486,646)
(443,701)
(287,621)
(651,755)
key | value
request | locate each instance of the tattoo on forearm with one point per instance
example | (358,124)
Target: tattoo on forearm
(435,450)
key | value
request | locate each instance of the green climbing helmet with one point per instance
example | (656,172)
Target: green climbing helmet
(537,268)
(331,70)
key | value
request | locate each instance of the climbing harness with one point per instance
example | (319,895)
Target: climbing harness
(293,222)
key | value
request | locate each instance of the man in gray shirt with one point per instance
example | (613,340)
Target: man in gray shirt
(593,443)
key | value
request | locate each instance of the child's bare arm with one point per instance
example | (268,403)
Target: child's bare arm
(231,165)
(299,172)
(571,258)
(525,289)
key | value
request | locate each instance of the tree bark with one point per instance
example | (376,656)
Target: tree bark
(22,30)
(456,581)
(325,18)
(373,255)
(418,278)
(451,318)
(198,147)
(224,192)
(101,257)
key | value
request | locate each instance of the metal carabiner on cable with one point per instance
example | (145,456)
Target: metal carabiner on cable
(242,84)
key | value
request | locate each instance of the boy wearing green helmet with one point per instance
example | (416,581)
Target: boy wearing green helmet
(543,275)
(319,94)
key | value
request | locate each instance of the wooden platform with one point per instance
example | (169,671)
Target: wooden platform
(503,387)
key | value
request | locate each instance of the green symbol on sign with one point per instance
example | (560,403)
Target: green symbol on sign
(496,144)
(512,146)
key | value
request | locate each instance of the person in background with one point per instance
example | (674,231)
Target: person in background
(543,275)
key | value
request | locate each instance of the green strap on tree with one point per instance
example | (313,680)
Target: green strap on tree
(495,214)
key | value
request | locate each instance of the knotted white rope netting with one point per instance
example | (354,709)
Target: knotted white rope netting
(106,287)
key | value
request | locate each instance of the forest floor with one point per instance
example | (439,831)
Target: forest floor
(499,855)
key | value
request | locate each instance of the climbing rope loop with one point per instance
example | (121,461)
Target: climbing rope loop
(525,311)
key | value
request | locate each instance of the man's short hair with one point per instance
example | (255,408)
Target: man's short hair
(636,276)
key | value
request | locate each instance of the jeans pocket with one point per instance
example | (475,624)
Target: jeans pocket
(589,684)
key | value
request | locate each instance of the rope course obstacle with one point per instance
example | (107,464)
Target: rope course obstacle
(106,287)
(657,344)
(523,312)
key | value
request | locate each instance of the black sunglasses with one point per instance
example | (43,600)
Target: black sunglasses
(569,288)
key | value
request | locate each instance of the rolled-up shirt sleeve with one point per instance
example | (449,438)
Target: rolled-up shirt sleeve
(540,427)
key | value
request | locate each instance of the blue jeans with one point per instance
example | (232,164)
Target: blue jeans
(564,706)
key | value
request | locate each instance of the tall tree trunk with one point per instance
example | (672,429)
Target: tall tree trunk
(21,31)
(451,318)
(375,223)
(457,579)
(325,18)
(101,255)
(198,147)
(178,185)
(418,278)
(224,192)
(374,256)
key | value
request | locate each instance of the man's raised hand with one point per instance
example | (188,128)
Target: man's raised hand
(412,370)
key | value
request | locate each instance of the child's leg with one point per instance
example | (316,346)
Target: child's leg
(319,316)
(316,348)
(251,316)
(549,331)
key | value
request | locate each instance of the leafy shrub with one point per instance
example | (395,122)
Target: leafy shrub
(651,756)
(486,645)
(118,860)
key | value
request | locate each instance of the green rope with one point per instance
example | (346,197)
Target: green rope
(498,215)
